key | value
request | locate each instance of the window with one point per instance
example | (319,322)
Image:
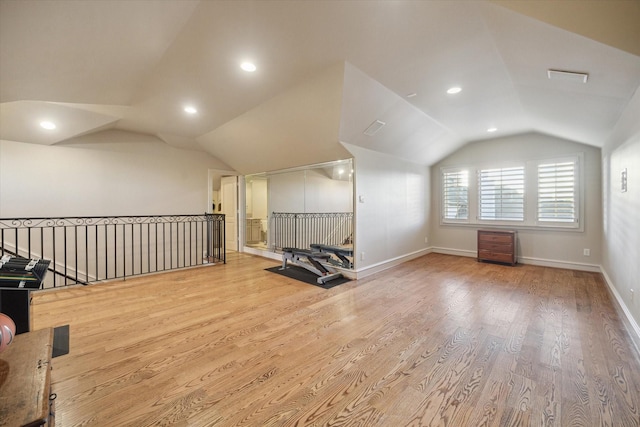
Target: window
(455,192)
(501,194)
(543,193)
(557,192)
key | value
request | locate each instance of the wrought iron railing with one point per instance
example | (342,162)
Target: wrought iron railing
(300,230)
(83,250)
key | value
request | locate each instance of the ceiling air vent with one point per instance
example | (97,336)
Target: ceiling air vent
(374,127)
(571,76)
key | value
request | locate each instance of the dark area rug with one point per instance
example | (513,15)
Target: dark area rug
(60,341)
(299,273)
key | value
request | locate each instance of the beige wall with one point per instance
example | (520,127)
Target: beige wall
(621,219)
(391,209)
(120,178)
(535,246)
(309,191)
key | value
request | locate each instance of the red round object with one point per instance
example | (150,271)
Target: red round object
(7,331)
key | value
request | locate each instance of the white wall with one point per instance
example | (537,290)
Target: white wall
(535,246)
(257,207)
(393,220)
(140,178)
(621,219)
(309,191)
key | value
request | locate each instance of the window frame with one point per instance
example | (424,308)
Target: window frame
(502,220)
(578,179)
(530,221)
(443,204)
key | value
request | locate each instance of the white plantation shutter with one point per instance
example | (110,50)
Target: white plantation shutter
(455,195)
(557,192)
(501,194)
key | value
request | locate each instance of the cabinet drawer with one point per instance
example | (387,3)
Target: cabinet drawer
(495,238)
(495,256)
(505,248)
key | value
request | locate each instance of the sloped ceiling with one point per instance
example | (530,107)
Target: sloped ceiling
(326,70)
(296,127)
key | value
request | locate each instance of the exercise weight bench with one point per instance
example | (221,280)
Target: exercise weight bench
(338,252)
(313,261)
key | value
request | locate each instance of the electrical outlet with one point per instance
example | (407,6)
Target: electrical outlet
(586,252)
(631,294)
(426,240)
(362,256)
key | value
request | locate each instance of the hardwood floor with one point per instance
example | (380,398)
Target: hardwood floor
(440,340)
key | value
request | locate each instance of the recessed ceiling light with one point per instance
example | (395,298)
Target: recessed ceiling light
(492,129)
(454,90)
(190,109)
(248,66)
(47,125)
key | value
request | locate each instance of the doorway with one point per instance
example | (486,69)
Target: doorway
(229,202)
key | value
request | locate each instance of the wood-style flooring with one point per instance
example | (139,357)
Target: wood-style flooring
(437,341)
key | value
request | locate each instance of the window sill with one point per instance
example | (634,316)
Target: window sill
(513,226)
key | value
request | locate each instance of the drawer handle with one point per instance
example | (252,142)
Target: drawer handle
(53,396)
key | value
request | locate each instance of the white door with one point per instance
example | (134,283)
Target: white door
(229,198)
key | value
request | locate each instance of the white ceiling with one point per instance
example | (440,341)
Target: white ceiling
(326,70)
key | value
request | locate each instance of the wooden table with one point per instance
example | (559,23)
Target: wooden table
(25,380)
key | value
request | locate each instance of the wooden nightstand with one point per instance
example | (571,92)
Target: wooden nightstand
(497,245)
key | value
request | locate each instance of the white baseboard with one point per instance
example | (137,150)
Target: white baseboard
(635,328)
(560,264)
(263,253)
(456,252)
(526,260)
(375,268)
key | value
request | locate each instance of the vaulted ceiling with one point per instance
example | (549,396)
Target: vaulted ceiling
(326,70)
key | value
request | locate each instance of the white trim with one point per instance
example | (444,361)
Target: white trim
(456,252)
(530,221)
(443,218)
(525,260)
(375,268)
(262,252)
(560,264)
(632,322)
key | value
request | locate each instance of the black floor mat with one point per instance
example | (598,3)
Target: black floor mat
(60,341)
(299,273)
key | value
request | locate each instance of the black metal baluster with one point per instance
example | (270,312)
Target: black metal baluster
(156,231)
(41,242)
(124,250)
(86,253)
(164,246)
(140,244)
(106,249)
(148,248)
(97,256)
(133,252)
(53,250)
(64,229)
(75,240)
